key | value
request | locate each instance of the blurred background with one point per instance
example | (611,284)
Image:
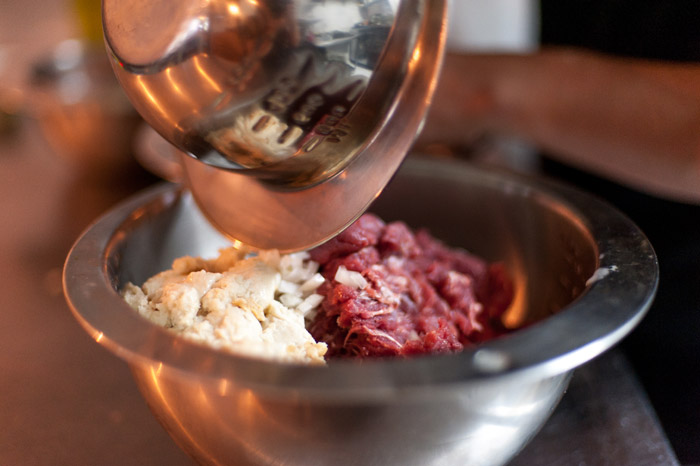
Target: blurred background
(66,135)
(71,146)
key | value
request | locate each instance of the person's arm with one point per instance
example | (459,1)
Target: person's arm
(634,121)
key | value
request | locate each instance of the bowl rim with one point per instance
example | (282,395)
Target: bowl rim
(612,304)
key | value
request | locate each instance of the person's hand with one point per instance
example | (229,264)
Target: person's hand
(463,107)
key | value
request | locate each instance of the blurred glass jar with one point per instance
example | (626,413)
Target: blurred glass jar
(81,109)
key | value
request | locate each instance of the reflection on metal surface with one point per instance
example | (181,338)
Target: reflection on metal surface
(248,427)
(214,72)
(516,313)
(269,216)
(142,85)
(274,97)
(153,380)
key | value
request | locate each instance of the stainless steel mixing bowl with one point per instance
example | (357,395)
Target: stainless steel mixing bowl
(585,276)
(291,105)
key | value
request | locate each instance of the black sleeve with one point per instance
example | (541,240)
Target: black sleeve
(656,29)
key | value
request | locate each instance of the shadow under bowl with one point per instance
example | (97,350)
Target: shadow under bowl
(584,276)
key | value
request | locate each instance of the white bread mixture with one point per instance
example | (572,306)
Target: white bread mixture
(253,306)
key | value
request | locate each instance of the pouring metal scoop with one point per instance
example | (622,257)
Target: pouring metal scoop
(291,115)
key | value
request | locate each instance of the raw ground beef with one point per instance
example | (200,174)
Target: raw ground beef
(420,296)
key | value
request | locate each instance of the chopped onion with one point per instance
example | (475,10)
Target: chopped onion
(350,278)
(290,300)
(311,302)
(312,283)
(287,287)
